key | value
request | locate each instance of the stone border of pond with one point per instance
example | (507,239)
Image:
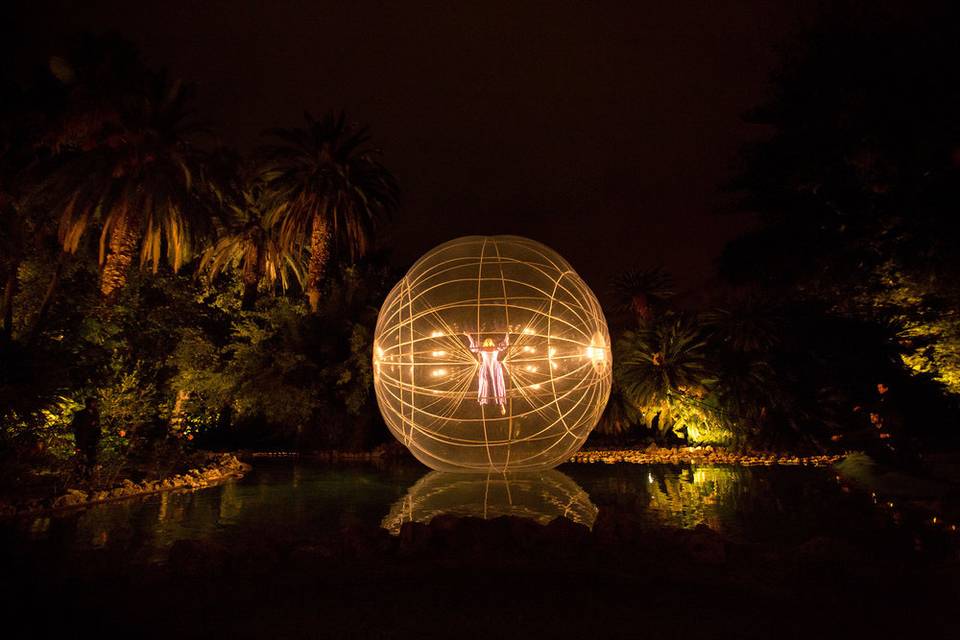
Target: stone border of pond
(701,455)
(226,466)
(648,455)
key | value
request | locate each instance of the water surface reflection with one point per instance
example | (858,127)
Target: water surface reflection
(285,503)
(539,496)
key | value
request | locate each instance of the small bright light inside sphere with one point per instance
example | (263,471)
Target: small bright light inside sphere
(504,313)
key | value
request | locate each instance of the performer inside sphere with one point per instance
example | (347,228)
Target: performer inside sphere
(492,387)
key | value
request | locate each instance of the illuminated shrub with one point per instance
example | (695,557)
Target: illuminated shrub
(491,354)
(537,495)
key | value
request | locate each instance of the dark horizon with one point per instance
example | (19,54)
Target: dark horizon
(589,130)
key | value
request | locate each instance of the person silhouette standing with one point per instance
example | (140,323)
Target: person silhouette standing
(86,433)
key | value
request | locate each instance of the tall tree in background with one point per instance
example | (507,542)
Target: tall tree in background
(643,292)
(327,190)
(858,187)
(124,166)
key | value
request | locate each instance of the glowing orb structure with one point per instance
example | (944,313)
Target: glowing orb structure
(491,354)
(540,496)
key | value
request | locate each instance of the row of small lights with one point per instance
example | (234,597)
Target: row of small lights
(593,353)
(935,521)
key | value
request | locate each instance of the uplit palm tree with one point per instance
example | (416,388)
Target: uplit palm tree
(642,292)
(247,245)
(743,339)
(662,371)
(133,180)
(327,190)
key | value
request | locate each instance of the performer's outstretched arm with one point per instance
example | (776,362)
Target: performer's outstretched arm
(473,345)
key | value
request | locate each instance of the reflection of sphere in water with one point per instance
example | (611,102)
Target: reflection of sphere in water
(491,354)
(537,495)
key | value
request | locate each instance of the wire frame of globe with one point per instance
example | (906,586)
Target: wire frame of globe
(491,354)
(540,496)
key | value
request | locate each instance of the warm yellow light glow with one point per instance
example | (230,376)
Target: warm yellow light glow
(539,496)
(597,351)
(479,305)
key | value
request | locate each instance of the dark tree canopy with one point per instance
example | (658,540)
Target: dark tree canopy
(859,184)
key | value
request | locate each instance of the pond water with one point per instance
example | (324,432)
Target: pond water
(292,501)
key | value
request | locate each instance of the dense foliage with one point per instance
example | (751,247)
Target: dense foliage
(203,296)
(859,183)
(851,330)
(102,171)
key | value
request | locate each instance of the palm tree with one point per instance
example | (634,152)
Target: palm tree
(749,323)
(662,370)
(643,292)
(326,191)
(133,177)
(249,246)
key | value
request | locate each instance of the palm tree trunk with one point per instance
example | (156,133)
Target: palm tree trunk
(319,255)
(116,266)
(252,268)
(47,299)
(9,291)
(179,414)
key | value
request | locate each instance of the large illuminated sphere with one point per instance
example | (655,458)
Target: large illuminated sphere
(491,354)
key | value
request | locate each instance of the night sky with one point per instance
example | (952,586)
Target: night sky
(605,132)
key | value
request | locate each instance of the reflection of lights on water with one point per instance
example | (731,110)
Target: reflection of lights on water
(695,495)
(540,497)
(40,525)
